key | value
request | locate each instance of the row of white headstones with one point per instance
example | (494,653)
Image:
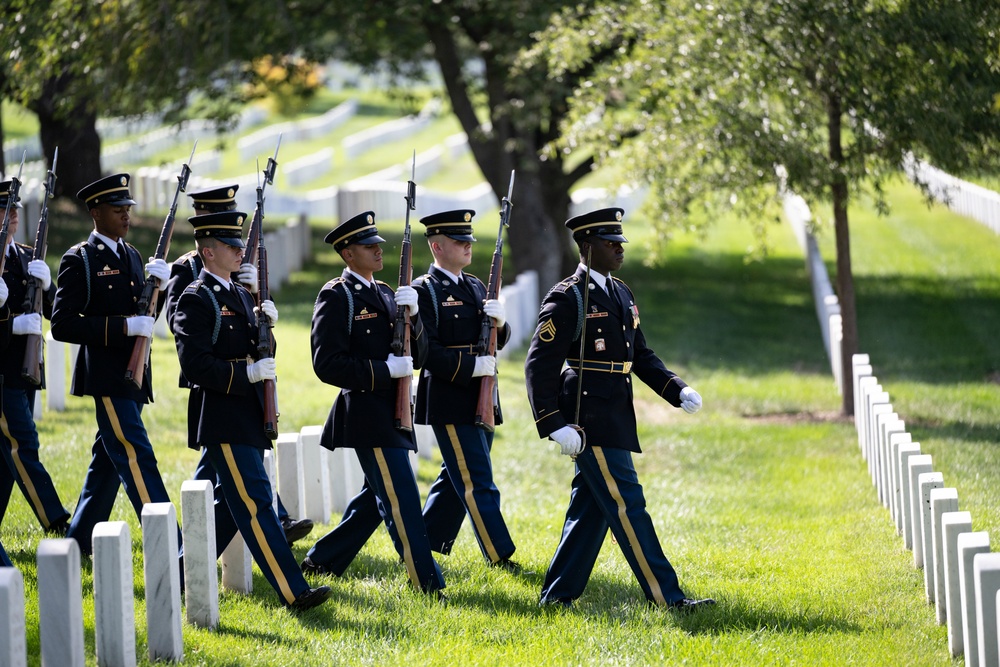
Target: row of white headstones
(961,574)
(312,482)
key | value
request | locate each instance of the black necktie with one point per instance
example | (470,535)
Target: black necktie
(378,294)
(613,293)
(122,253)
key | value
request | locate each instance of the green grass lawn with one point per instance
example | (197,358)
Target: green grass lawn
(761,500)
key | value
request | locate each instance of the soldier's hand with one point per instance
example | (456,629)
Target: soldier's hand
(270,310)
(29,323)
(4,292)
(262,369)
(248,276)
(690,400)
(569,440)
(399,366)
(159,269)
(140,325)
(407,296)
(495,309)
(37,268)
(485,366)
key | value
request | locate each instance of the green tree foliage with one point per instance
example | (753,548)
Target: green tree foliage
(706,100)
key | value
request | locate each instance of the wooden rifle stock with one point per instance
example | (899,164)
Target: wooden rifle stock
(403,419)
(265,337)
(34,350)
(487,345)
(139,361)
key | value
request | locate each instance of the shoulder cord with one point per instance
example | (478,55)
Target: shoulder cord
(86,271)
(218,312)
(350,308)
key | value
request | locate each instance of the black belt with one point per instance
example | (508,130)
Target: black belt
(624,367)
(471,348)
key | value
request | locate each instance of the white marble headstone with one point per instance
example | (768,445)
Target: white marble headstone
(970,545)
(201,572)
(163,581)
(60,603)
(13,650)
(114,595)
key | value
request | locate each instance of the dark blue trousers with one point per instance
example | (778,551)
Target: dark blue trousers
(606,493)
(19,448)
(243,487)
(121,456)
(389,495)
(4,558)
(465,487)
(206,471)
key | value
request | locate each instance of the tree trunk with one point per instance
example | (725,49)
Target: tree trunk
(845,276)
(74,132)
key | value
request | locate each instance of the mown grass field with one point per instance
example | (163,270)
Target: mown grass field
(761,500)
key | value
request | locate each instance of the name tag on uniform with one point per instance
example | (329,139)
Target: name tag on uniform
(108,271)
(599,345)
(225,311)
(590,315)
(365,315)
(451,303)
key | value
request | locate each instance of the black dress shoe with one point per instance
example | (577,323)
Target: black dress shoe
(556,602)
(311,598)
(296,529)
(309,567)
(511,566)
(688,605)
(59,528)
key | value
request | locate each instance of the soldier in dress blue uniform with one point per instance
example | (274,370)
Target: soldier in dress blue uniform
(184,270)
(352,331)
(100,281)
(18,435)
(6,322)
(216,333)
(453,303)
(605,491)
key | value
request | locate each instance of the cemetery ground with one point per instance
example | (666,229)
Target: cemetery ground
(761,500)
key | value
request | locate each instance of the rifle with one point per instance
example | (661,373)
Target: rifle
(34,351)
(13,195)
(265,340)
(250,253)
(487,344)
(139,360)
(583,348)
(401,327)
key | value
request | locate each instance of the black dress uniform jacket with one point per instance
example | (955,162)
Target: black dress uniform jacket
(615,349)
(351,337)
(15,274)
(97,292)
(218,409)
(453,316)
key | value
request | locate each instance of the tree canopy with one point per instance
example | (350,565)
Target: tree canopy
(705,101)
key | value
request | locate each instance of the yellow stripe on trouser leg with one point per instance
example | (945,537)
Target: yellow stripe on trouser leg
(633,540)
(390,490)
(279,576)
(133,461)
(23,473)
(470,498)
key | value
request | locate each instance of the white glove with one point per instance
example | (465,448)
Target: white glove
(263,369)
(270,310)
(4,292)
(495,309)
(569,440)
(407,296)
(399,366)
(37,268)
(485,366)
(248,276)
(160,270)
(690,400)
(29,323)
(140,325)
